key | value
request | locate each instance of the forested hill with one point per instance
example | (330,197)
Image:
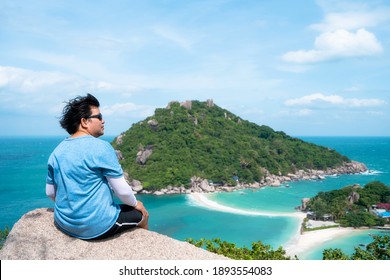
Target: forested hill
(205,140)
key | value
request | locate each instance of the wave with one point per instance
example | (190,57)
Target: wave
(201,200)
(367,173)
(371,172)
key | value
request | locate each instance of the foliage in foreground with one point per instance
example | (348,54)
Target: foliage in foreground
(3,235)
(379,249)
(259,251)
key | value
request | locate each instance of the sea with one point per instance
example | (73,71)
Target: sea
(23,168)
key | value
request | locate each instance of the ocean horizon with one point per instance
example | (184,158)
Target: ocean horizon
(23,163)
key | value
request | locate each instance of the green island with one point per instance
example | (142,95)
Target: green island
(352,206)
(201,139)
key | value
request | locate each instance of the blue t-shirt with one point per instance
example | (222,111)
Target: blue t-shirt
(84,204)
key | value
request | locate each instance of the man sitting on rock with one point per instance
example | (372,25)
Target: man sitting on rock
(83,174)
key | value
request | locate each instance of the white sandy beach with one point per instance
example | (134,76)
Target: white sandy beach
(202,200)
(299,243)
(309,240)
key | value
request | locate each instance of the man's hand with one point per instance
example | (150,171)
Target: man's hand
(140,207)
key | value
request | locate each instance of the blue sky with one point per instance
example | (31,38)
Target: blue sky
(303,67)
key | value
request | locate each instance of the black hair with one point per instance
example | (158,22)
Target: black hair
(76,109)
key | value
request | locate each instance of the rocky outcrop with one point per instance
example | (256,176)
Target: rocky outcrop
(210,103)
(353,197)
(352,167)
(34,237)
(304,203)
(153,124)
(119,139)
(119,155)
(187,104)
(203,185)
(144,154)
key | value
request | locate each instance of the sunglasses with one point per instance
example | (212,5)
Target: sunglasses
(98,116)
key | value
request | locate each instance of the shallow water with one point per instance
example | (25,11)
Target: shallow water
(22,185)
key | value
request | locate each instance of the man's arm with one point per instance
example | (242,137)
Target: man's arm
(122,190)
(51,191)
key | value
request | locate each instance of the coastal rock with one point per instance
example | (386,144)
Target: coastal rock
(34,237)
(352,167)
(275,183)
(201,185)
(158,193)
(136,186)
(304,203)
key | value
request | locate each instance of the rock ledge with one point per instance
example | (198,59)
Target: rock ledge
(34,237)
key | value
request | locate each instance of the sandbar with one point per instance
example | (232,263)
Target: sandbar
(299,243)
(201,200)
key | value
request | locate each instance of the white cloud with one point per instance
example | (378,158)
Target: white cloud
(27,90)
(123,109)
(352,88)
(173,36)
(337,44)
(304,112)
(310,99)
(352,20)
(354,102)
(36,92)
(24,80)
(344,34)
(345,43)
(336,100)
(294,113)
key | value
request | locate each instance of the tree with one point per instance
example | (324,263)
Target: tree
(334,254)
(359,219)
(258,251)
(379,249)
(3,235)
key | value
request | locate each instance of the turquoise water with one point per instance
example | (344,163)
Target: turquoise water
(22,188)
(347,244)
(23,163)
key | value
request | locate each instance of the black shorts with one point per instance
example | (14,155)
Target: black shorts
(128,218)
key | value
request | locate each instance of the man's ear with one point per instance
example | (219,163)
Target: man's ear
(84,122)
